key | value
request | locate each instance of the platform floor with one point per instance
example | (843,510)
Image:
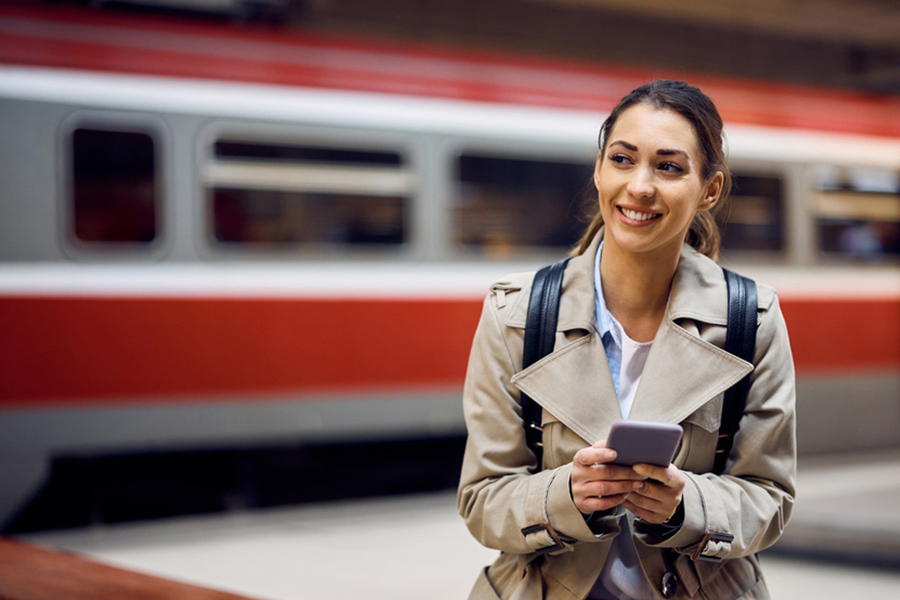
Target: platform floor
(844,541)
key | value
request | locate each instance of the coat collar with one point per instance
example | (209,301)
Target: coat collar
(683,371)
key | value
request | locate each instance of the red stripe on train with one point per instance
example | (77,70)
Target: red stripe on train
(834,336)
(444,74)
(64,350)
(72,351)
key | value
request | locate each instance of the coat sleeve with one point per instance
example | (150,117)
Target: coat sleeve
(498,495)
(752,500)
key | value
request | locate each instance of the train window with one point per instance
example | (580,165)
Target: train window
(283,195)
(858,213)
(507,205)
(754,221)
(114,186)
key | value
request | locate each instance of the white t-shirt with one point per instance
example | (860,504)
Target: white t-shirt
(622,577)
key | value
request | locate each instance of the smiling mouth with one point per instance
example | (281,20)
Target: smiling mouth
(638,216)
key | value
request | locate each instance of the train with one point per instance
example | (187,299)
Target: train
(216,235)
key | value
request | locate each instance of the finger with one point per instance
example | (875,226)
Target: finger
(648,507)
(641,512)
(595,504)
(612,472)
(657,473)
(670,477)
(609,488)
(643,502)
(651,508)
(657,492)
(591,456)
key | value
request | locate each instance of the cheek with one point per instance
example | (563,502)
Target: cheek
(605,197)
(606,186)
(690,197)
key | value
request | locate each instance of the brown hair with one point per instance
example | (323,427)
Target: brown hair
(695,106)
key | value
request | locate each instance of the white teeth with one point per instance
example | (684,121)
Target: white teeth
(637,216)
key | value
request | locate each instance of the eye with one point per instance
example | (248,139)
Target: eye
(669,167)
(621,159)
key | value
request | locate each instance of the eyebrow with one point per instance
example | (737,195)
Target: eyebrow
(671,152)
(661,152)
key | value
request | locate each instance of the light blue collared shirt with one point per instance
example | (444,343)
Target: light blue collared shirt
(621,577)
(626,357)
(606,324)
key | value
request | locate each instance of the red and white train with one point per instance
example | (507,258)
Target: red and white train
(213,234)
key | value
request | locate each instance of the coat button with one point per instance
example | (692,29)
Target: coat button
(668,585)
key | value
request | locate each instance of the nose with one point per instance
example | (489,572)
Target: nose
(640,184)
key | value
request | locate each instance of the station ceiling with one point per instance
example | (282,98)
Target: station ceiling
(845,43)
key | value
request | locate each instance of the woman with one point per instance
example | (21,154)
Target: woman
(640,335)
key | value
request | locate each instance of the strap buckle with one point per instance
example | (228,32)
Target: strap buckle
(557,543)
(535,434)
(708,537)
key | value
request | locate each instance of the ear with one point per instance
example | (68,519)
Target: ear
(597,169)
(713,191)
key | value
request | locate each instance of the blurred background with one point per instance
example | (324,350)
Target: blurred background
(244,243)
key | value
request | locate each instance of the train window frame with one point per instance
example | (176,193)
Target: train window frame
(452,150)
(157,130)
(850,204)
(323,137)
(761,170)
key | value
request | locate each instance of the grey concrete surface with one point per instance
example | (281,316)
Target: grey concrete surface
(417,547)
(847,508)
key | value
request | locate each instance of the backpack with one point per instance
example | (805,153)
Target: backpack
(540,332)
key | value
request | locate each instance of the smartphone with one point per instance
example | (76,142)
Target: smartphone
(644,442)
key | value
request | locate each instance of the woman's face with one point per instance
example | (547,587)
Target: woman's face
(650,181)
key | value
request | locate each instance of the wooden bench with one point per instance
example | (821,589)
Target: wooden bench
(32,572)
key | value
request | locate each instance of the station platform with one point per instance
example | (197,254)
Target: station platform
(846,509)
(843,541)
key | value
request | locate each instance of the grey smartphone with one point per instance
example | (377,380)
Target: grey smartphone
(644,442)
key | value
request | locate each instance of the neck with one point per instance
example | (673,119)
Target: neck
(636,288)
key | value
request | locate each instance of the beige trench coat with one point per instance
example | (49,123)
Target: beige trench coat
(683,382)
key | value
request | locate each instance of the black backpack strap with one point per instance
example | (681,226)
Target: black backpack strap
(540,333)
(740,340)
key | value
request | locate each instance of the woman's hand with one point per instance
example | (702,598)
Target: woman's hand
(657,500)
(597,486)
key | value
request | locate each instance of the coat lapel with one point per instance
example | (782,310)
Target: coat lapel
(683,371)
(575,385)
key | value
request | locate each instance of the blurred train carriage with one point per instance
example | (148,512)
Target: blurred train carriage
(213,237)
